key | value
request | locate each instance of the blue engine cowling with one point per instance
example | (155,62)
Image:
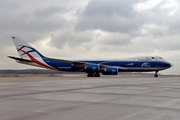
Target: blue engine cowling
(110,71)
(92,68)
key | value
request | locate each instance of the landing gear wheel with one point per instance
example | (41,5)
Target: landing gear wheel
(93,75)
(156,75)
(88,75)
(97,75)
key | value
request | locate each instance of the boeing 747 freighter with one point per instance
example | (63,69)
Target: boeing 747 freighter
(93,67)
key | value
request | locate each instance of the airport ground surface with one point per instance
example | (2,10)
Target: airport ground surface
(82,98)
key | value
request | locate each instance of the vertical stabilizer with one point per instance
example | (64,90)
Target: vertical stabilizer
(25,50)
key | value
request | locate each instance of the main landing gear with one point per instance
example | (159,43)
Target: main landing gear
(156,75)
(93,75)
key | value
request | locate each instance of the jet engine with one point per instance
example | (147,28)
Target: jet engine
(92,68)
(110,71)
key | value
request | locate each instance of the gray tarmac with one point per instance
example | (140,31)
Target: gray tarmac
(81,98)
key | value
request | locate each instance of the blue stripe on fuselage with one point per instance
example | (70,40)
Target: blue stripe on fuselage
(127,64)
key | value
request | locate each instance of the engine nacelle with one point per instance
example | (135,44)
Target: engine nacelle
(92,68)
(110,71)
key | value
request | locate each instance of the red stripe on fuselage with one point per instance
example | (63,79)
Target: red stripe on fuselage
(32,58)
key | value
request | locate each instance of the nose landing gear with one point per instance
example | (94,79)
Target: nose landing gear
(156,75)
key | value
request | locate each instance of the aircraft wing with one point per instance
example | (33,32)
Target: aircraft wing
(75,63)
(83,64)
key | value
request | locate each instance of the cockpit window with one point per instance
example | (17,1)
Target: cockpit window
(160,57)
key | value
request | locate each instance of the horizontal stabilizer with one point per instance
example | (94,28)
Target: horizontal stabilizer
(20,59)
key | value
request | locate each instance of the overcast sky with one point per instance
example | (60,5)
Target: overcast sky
(92,29)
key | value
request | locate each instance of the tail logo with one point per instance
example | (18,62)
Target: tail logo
(32,58)
(32,50)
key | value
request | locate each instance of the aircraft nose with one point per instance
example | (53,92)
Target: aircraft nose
(167,65)
(171,65)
